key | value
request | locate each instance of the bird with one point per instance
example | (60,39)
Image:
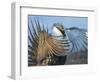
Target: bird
(53,49)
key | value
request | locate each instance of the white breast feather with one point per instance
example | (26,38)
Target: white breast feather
(56,32)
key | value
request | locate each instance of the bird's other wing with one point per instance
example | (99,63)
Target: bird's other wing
(78,38)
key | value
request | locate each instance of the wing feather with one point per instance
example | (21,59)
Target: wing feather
(78,39)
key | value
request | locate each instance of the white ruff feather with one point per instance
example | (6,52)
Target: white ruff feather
(56,32)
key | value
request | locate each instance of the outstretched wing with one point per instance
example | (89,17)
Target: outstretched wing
(43,46)
(78,38)
(33,39)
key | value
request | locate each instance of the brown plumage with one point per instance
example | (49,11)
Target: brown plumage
(46,46)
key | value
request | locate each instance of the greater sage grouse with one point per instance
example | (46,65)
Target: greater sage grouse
(61,46)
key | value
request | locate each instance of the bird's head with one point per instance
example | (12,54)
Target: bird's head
(58,30)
